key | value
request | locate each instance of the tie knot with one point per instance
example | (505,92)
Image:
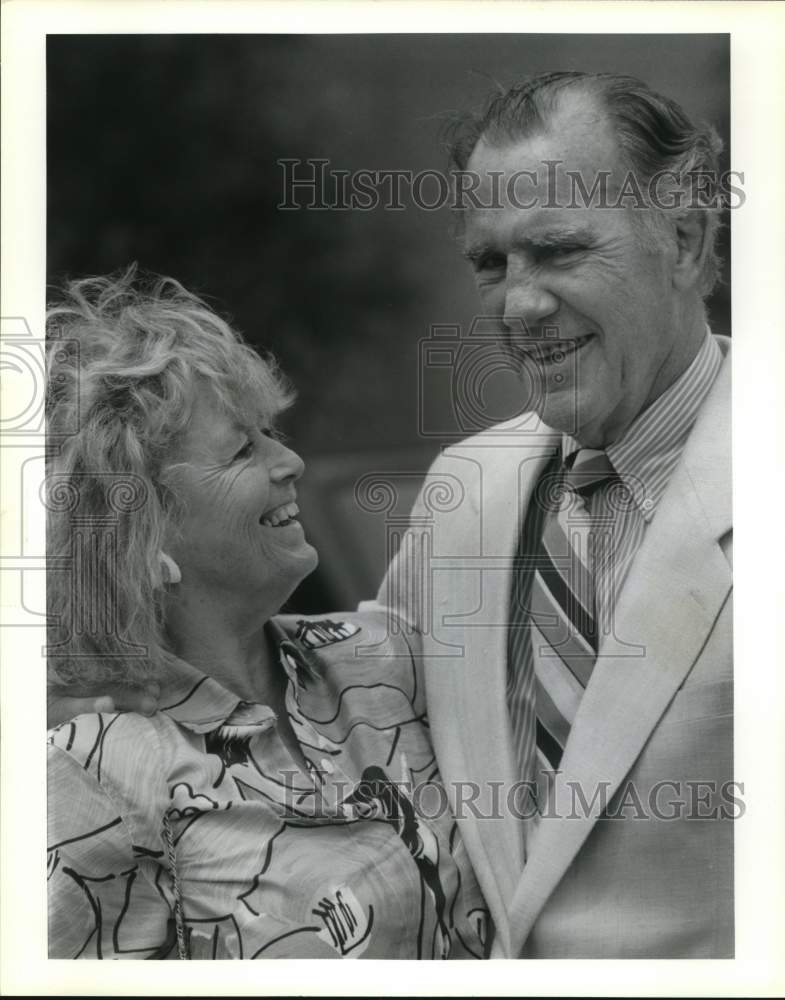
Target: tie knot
(586,470)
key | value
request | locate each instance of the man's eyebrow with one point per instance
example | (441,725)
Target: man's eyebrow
(476,250)
(558,237)
(563,236)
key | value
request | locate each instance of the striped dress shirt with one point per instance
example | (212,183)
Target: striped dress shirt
(644,457)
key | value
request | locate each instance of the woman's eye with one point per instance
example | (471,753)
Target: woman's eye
(244,452)
(273,434)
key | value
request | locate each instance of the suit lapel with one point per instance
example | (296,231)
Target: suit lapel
(677,586)
(466,689)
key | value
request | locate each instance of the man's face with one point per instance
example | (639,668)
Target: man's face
(582,270)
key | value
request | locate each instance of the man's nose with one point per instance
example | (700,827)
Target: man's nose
(526,297)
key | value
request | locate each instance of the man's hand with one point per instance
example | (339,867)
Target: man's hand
(63,703)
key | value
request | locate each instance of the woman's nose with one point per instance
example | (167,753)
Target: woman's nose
(287,464)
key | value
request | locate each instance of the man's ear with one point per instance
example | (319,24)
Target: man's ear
(692,245)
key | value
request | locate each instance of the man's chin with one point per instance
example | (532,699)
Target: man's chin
(560,411)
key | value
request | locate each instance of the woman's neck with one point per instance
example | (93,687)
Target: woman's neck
(226,642)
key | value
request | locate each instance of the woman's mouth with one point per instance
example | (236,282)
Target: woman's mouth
(279,517)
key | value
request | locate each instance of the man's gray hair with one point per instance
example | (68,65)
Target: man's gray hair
(654,135)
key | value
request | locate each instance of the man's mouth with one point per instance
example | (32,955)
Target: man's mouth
(279,517)
(555,351)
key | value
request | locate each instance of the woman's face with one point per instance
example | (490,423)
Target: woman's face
(239,533)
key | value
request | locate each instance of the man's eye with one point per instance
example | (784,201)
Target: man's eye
(557,253)
(490,262)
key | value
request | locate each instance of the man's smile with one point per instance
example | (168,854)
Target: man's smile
(554,352)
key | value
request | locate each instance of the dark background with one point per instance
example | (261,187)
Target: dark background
(162,149)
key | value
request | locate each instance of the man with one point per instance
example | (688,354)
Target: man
(578,666)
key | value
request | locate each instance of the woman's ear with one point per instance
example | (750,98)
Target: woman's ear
(170,571)
(692,246)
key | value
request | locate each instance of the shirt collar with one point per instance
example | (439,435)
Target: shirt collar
(199,702)
(649,450)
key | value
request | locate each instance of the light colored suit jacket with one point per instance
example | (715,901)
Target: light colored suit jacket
(654,730)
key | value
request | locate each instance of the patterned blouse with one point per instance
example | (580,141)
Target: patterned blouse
(358,857)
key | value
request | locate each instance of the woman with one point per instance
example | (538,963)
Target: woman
(284,802)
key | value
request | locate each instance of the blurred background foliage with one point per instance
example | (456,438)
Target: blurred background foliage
(163,149)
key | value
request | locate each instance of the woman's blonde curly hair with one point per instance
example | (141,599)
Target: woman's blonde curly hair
(127,355)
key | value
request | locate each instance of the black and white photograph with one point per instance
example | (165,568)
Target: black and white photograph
(377,430)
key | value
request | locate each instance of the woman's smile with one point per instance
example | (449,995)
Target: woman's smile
(224,476)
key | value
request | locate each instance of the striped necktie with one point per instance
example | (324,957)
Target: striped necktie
(554,633)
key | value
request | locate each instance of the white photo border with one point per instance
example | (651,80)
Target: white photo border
(758,308)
